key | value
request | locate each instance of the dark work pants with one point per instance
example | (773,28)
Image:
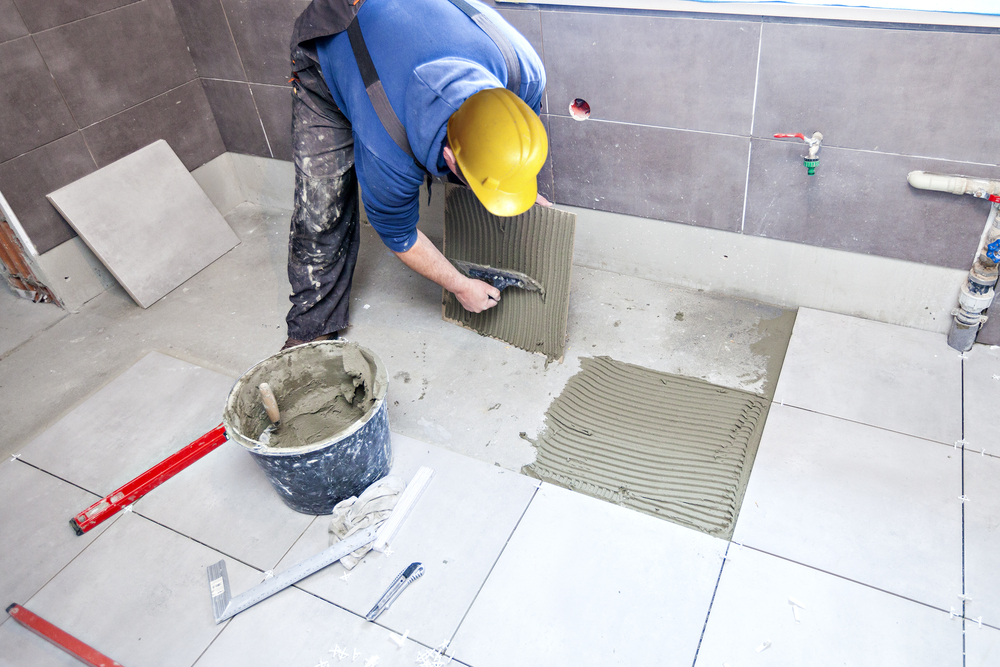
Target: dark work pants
(325,235)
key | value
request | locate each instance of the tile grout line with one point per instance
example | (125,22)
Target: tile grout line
(753,116)
(711,602)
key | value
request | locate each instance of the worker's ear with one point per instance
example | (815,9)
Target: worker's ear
(449,159)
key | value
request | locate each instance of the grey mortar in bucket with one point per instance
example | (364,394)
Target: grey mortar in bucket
(332,441)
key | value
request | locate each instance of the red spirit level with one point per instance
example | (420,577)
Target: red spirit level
(63,640)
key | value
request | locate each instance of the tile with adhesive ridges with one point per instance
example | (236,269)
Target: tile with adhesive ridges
(150,411)
(174,230)
(888,376)
(863,503)
(981,375)
(139,594)
(226,502)
(840,622)
(982,536)
(457,529)
(36,540)
(982,646)
(584,582)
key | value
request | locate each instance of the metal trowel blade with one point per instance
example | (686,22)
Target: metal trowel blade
(499,278)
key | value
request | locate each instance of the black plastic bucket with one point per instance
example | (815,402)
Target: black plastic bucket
(314,476)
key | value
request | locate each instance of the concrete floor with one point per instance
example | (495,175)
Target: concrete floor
(445,382)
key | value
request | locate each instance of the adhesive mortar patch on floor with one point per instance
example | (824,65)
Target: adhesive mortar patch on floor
(673,447)
(539,244)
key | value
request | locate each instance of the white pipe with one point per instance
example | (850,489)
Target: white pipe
(955,184)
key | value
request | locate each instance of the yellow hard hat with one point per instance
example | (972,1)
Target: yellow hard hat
(500,146)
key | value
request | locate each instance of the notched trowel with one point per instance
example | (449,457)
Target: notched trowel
(500,278)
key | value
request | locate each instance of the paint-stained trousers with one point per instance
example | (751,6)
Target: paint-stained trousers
(325,235)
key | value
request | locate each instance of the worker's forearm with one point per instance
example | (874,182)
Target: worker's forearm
(424,258)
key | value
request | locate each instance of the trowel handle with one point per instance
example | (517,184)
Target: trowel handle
(270,403)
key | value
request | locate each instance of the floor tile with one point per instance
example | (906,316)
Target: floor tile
(22,319)
(175,230)
(147,413)
(457,530)
(840,622)
(139,594)
(864,503)
(981,375)
(585,582)
(892,377)
(982,646)
(295,628)
(36,541)
(225,502)
(982,536)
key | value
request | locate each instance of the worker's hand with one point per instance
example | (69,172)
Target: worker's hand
(477,296)
(542,201)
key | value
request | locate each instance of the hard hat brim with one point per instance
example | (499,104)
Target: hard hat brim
(507,204)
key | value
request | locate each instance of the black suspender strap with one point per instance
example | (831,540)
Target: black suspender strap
(376,93)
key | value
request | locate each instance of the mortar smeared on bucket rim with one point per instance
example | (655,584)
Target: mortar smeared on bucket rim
(244,398)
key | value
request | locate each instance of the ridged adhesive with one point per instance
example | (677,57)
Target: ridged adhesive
(674,447)
(538,243)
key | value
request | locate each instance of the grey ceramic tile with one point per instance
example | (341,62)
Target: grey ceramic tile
(147,413)
(181,117)
(275,106)
(669,72)
(861,202)
(981,377)
(225,502)
(36,541)
(583,581)
(139,594)
(174,229)
(528,22)
(44,15)
(457,530)
(32,111)
(206,30)
(982,646)
(545,175)
(23,319)
(982,536)
(690,177)
(295,628)
(236,115)
(864,503)
(26,180)
(888,376)
(11,24)
(262,32)
(841,622)
(86,59)
(990,333)
(879,89)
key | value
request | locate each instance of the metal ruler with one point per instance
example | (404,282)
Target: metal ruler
(224,605)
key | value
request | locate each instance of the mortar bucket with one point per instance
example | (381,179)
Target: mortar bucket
(333,437)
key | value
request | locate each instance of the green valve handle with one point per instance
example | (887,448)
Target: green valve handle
(810,164)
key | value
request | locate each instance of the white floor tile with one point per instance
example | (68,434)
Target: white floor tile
(139,594)
(840,622)
(36,540)
(585,582)
(982,646)
(147,413)
(982,537)
(861,502)
(457,530)
(224,501)
(295,629)
(982,397)
(888,376)
(20,647)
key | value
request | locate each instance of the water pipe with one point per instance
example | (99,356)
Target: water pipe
(979,288)
(811,158)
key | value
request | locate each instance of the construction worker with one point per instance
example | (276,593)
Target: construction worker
(385,93)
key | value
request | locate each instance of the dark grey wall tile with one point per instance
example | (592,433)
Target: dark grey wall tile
(275,106)
(236,116)
(263,30)
(208,37)
(690,177)
(990,333)
(45,14)
(545,175)
(112,61)
(26,180)
(32,112)
(11,25)
(895,91)
(669,72)
(182,117)
(860,202)
(528,22)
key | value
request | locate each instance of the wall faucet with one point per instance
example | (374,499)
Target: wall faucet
(811,158)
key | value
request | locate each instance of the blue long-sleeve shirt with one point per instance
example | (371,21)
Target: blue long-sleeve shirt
(430,58)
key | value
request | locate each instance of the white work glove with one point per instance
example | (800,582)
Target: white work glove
(371,508)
